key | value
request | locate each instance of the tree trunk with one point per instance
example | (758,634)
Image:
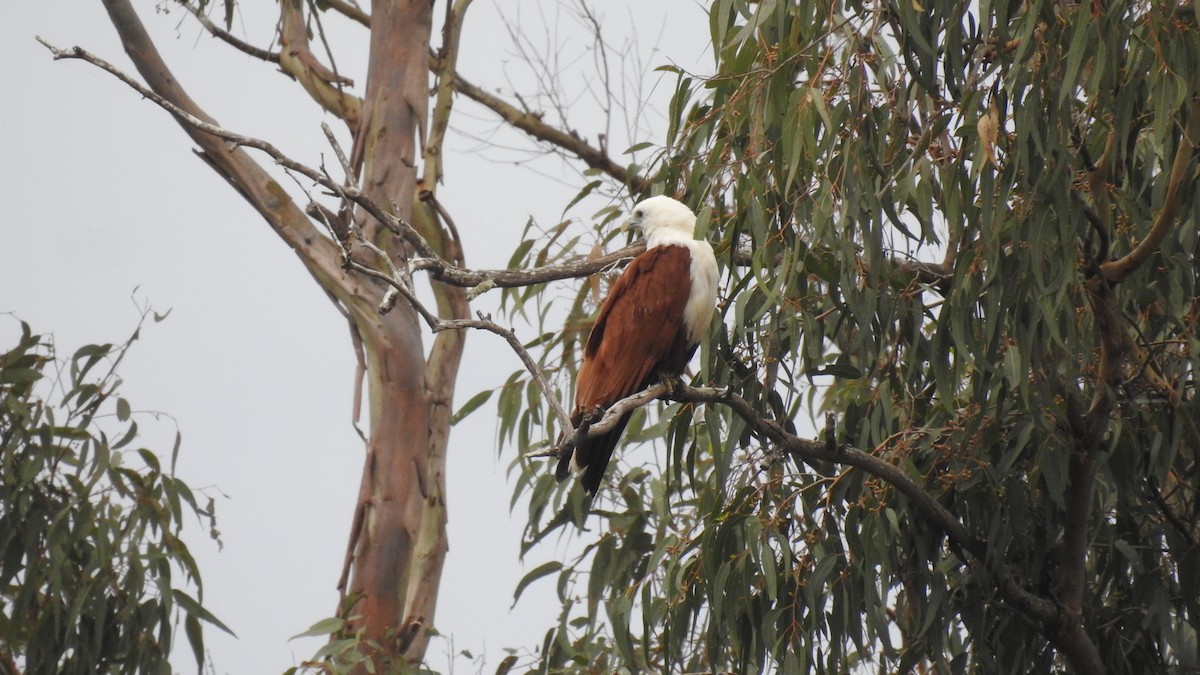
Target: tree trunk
(400,545)
(398,538)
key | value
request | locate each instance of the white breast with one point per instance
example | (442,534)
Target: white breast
(702,299)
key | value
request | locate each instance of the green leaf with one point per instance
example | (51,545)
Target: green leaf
(327,626)
(123,410)
(19,375)
(471,406)
(195,636)
(545,569)
(194,608)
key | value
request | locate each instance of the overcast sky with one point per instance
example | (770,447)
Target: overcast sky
(103,196)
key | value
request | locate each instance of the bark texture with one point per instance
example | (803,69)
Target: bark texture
(398,538)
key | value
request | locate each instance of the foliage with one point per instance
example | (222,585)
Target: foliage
(89,523)
(926,214)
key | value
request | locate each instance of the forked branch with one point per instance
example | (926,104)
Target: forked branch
(429,260)
(530,123)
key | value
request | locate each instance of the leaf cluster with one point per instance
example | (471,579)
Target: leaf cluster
(917,207)
(93,574)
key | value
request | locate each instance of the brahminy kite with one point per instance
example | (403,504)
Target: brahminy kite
(647,330)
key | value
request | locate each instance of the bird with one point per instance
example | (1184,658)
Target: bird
(647,330)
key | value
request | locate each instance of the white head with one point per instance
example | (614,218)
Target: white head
(663,220)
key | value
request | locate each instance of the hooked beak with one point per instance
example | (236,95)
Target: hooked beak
(628,224)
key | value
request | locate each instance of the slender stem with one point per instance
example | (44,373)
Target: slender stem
(1116,271)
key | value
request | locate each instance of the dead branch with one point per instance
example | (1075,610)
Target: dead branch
(510,278)
(401,287)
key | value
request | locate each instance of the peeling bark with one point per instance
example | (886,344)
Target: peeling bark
(399,536)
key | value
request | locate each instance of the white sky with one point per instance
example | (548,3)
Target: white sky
(103,195)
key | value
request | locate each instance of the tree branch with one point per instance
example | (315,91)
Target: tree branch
(322,84)
(444,68)
(533,125)
(511,278)
(430,261)
(350,10)
(227,37)
(1116,271)
(530,123)
(259,189)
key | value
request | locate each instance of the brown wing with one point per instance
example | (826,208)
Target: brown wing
(639,329)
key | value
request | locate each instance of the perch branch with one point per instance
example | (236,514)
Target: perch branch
(1068,635)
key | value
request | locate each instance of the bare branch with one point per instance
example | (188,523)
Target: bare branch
(532,124)
(393,223)
(227,37)
(444,69)
(580,267)
(350,10)
(485,323)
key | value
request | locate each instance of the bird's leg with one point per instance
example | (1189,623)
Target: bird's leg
(588,419)
(672,383)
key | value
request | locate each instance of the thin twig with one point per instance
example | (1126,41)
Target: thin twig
(396,225)
(485,323)
(440,269)
(227,37)
(351,177)
(350,10)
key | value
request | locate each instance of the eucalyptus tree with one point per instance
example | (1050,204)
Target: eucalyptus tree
(959,235)
(95,575)
(959,247)
(384,222)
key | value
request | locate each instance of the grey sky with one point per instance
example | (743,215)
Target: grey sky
(103,195)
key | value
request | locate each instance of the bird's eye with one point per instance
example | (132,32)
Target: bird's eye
(638,213)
